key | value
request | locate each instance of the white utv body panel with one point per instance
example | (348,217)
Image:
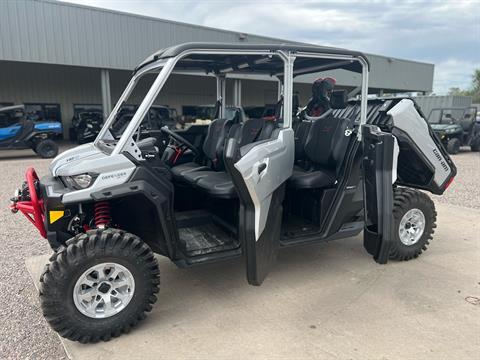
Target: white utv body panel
(81,152)
(276,158)
(407,119)
(112,169)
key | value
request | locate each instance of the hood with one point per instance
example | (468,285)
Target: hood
(73,156)
(87,159)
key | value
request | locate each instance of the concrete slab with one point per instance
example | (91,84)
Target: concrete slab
(329,301)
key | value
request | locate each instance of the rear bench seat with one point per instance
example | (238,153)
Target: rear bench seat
(321,145)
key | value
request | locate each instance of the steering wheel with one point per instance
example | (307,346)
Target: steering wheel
(180,140)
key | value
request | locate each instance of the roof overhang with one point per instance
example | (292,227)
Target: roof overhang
(236,58)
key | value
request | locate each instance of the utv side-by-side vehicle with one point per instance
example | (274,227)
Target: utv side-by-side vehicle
(456,127)
(86,125)
(19,131)
(334,169)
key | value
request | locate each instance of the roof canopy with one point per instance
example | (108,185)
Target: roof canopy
(261,64)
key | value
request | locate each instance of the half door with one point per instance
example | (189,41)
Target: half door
(379,173)
(259,172)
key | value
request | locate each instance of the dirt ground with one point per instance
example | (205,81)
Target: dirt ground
(23,331)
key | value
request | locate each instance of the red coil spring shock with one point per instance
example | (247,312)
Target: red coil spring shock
(102,214)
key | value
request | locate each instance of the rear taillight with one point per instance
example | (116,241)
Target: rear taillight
(448,183)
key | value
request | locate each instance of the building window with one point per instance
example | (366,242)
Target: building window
(41,111)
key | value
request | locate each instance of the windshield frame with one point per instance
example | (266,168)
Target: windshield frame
(105,133)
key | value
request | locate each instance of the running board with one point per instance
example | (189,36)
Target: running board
(347,230)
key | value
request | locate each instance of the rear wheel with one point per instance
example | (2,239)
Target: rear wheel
(475,144)
(99,286)
(415,220)
(47,148)
(453,146)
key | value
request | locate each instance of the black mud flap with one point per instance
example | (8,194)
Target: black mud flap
(378,150)
(262,254)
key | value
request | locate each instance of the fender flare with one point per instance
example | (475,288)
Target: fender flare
(154,196)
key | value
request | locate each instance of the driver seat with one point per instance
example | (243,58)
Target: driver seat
(212,148)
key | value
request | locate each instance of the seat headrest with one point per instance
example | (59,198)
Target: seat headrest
(147,143)
(339,99)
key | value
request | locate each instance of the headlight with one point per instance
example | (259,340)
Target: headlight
(79,182)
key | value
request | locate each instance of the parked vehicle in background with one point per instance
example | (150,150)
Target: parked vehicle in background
(429,102)
(86,125)
(20,131)
(204,114)
(456,127)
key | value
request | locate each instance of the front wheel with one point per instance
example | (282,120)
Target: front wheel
(99,286)
(415,220)
(475,144)
(46,148)
(453,146)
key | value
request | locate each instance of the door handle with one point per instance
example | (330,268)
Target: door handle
(261,168)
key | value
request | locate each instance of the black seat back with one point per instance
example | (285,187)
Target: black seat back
(214,142)
(301,133)
(327,141)
(267,130)
(249,131)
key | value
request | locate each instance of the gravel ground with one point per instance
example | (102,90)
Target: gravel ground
(24,334)
(465,189)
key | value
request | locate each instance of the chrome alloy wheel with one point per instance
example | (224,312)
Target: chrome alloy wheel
(103,290)
(411,227)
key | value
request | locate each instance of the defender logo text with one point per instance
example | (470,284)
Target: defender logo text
(439,158)
(70,159)
(114,176)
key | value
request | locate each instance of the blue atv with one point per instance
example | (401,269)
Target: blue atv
(18,131)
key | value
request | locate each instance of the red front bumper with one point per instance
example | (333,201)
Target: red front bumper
(33,208)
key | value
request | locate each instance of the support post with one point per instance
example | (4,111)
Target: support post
(279,89)
(237,92)
(221,93)
(106,94)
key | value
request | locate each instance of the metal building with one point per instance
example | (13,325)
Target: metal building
(57,56)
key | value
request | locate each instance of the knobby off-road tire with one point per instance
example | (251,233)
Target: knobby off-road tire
(453,146)
(59,285)
(475,144)
(409,206)
(47,149)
